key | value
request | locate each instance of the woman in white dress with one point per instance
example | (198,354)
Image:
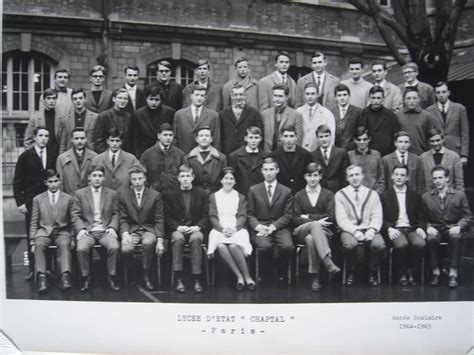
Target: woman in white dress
(228,216)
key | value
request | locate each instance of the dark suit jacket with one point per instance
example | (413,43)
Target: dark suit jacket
(345,128)
(105,101)
(292,171)
(146,123)
(391,209)
(416,175)
(260,211)
(175,212)
(241,214)
(68,125)
(289,117)
(328,98)
(233,131)
(149,215)
(112,118)
(324,207)
(334,174)
(247,173)
(140,100)
(29,177)
(116,177)
(46,219)
(83,209)
(173,96)
(265,90)
(450,161)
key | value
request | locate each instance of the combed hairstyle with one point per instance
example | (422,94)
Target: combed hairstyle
(401,134)
(50,92)
(137,169)
(97,68)
(283,87)
(318,54)
(288,128)
(39,128)
(434,132)
(323,129)
(96,167)
(400,166)
(410,89)
(440,168)
(202,128)
(282,53)
(120,91)
(78,91)
(197,87)
(355,60)
(185,168)
(114,132)
(166,64)
(225,171)
(313,168)
(201,62)
(441,83)
(51,173)
(78,129)
(152,90)
(240,60)
(165,127)
(342,87)
(375,89)
(61,71)
(379,62)
(253,130)
(360,131)
(352,167)
(311,84)
(410,65)
(270,161)
(131,67)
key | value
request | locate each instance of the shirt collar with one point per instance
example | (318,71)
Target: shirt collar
(130,88)
(402,190)
(38,149)
(416,109)
(163,148)
(273,184)
(448,191)
(399,155)
(139,191)
(415,83)
(316,191)
(446,105)
(321,76)
(93,189)
(248,150)
(328,150)
(369,151)
(441,151)
(117,153)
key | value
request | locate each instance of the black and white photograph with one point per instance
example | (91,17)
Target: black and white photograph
(273,174)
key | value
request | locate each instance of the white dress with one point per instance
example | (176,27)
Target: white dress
(227,205)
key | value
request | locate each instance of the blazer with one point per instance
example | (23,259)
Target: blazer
(456,211)
(426,92)
(391,209)
(346,127)
(247,170)
(292,172)
(38,119)
(450,161)
(241,214)
(265,91)
(322,116)
(328,98)
(175,211)
(171,94)
(29,177)
(393,99)
(68,125)
(51,220)
(213,97)
(64,105)
(73,176)
(334,173)
(105,101)
(456,128)
(83,209)
(116,177)
(185,128)
(251,92)
(279,212)
(416,177)
(148,216)
(113,118)
(289,117)
(233,131)
(146,123)
(324,208)
(140,100)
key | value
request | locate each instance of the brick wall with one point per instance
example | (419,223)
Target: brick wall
(75,8)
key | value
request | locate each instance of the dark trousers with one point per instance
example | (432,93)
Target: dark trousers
(63,242)
(195,240)
(315,237)
(148,241)
(375,249)
(283,243)
(408,249)
(454,247)
(84,246)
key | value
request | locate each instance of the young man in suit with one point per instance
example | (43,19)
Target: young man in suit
(189,119)
(402,156)
(28,181)
(73,165)
(314,115)
(403,224)
(136,99)
(51,223)
(80,118)
(186,219)
(440,155)
(247,161)
(278,116)
(313,219)
(244,79)
(391,93)
(346,116)
(116,162)
(359,216)
(451,118)
(270,210)
(95,216)
(332,160)
(206,161)
(236,118)
(448,216)
(291,159)
(148,119)
(171,92)
(213,99)
(279,76)
(162,161)
(324,81)
(64,105)
(358,86)
(98,99)
(141,221)
(410,72)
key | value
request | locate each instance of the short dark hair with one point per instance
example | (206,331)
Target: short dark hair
(355,60)
(96,167)
(240,60)
(282,53)
(202,128)
(270,161)
(225,171)
(322,129)
(50,92)
(165,127)
(119,91)
(98,68)
(61,71)
(341,87)
(78,129)
(131,67)
(51,173)
(360,131)
(197,87)
(410,89)
(166,64)
(137,169)
(78,91)
(283,87)
(253,130)
(318,54)
(201,62)
(401,134)
(114,132)
(379,62)
(440,168)
(313,168)
(400,166)
(434,132)
(375,89)
(185,168)
(39,128)
(288,128)
(152,90)
(311,84)
(441,83)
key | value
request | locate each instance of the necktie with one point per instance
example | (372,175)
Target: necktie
(139,198)
(283,78)
(269,192)
(443,112)
(318,83)
(343,112)
(311,112)
(113,160)
(42,156)
(402,156)
(357,198)
(196,114)
(442,199)
(53,199)
(325,153)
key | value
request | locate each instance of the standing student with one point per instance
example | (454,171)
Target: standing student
(410,72)
(171,92)
(392,93)
(98,99)
(358,86)
(243,78)
(202,75)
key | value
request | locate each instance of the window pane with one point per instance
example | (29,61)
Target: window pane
(16,82)
(37,65)
(16,101)
(24,101)
(24,82)
(16,64)
(24,65)
(4,100)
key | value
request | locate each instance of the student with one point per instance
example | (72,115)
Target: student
(171,92)
(358,86)
(98,99)
(136,99)
(392,93)
(243,78)
(410,72)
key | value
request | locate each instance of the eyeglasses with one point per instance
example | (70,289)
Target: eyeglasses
(97,76)
(164,71)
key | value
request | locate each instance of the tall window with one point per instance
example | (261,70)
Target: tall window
(297,72)
(183,72)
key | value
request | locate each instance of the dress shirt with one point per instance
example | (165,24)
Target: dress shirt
(313,195)
(328,151)
(251,151)
(163,148)
(402,220)
(343,111)
(97,226)
(312,110)
(399,157)
(283,77)
(446,106)
(319,78)
(414,84)
(272,189)
(193,110)
(139,196)
(116,156)
(53,197)
(42,154)
(132,92)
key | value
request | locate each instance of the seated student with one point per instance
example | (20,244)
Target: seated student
(229,236)
(270,209)
(247,161)
(95,216)
(292,159)
(51,223)
(313,219)
(186,219)
(206,161)
(115,161)
(141,221)
(332,160)
(369,160)
(403,223)
(447,216)
(359,215)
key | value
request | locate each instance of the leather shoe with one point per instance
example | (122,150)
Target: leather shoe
(239,286)
(373,280)
(251,286)
(148,285)
(411,280)
(112,285)
(197,286)
(29,276)
(86,284)
(66,281)
(42,283)
(434,280)
(179,286)
(350,279)
(453,282)
(403,280)
(333,270)
(315,285)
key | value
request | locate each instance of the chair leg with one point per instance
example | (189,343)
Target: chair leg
(422,279)
(213,271)
(297,264)
(344,271)
(390,266)
(257,274)
(158,269)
